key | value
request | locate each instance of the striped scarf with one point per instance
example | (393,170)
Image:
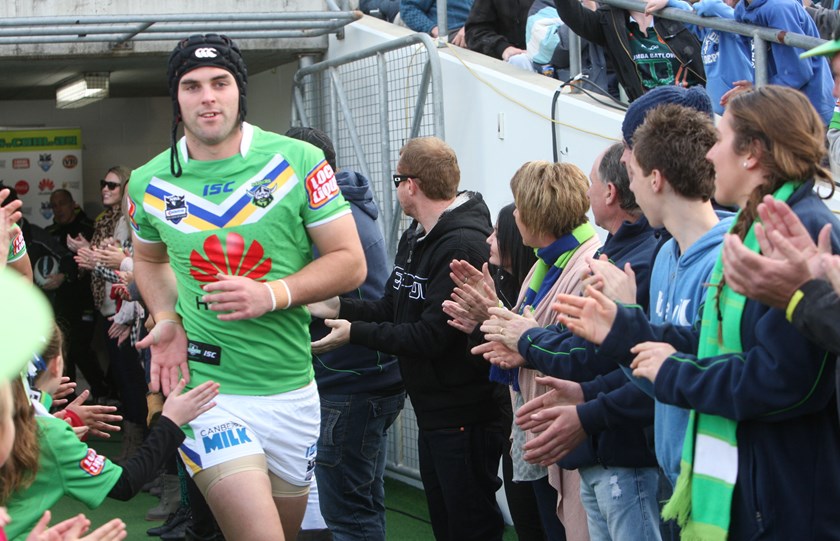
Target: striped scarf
(551,260)
(702,498)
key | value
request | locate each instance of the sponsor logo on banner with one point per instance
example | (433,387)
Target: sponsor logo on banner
(46,186)
(20,163)
(45,162)
(176,208)
(70,161)
(321,186)
(46,210)
(2,164)
(224,436)
(71,185)
(92,464)
(22,187)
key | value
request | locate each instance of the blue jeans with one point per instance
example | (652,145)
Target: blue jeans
(351,462)
(620,503)
(459,467)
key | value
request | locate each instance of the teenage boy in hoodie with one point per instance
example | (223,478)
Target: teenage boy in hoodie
(674,150)
(673,184)
(459,417)
(360,388)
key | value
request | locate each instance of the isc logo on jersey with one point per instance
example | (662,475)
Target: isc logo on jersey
(321,186)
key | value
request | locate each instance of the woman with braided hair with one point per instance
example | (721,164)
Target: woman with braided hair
(762,448)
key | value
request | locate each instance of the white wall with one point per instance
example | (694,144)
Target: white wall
(130,131)
(472,110)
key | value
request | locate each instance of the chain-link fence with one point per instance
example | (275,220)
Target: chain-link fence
(370,103)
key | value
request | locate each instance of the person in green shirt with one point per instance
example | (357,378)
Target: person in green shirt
(224,222)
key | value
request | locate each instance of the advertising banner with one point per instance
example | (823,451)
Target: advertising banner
(37,162)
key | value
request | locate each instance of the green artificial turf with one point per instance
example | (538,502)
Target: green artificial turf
(407,515)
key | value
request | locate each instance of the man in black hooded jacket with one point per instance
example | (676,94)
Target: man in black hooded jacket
(461,430)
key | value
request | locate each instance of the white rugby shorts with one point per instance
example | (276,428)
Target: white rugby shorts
(284,427)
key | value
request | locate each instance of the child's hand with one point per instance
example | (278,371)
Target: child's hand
(183,408)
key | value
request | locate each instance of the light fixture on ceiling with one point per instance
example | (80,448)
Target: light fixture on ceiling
(83,90)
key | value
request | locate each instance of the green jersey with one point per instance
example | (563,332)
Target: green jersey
(66,466)
(246,215)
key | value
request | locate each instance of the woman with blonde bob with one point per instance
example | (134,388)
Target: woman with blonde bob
(551,205)
(762,450)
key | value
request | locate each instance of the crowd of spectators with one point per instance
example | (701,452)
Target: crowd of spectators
(666,382)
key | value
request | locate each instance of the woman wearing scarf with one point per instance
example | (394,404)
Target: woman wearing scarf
(108,249)
(551,205)
(761,456)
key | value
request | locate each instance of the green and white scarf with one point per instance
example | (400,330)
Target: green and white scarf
(702,499)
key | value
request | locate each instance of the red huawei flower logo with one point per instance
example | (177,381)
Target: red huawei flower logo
(46,185)
(229,259)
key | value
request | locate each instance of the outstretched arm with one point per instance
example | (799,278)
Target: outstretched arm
(168,341)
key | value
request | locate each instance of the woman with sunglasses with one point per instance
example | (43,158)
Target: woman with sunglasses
(109,251)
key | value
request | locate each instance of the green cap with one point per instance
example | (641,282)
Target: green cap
(829,48)
(25,322)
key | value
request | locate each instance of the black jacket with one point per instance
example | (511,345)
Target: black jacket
(495,25)
(73,298)
(447,385)
(816,315)
(607,26)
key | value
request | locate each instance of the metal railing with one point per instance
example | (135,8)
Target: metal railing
(370,103)
(117,29)
(760,35)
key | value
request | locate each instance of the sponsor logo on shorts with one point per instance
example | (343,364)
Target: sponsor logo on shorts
(204,353)
(224,436)
(321,186)
(311,455)
(92,464)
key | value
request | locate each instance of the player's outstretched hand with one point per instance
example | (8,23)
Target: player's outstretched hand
(168,343)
